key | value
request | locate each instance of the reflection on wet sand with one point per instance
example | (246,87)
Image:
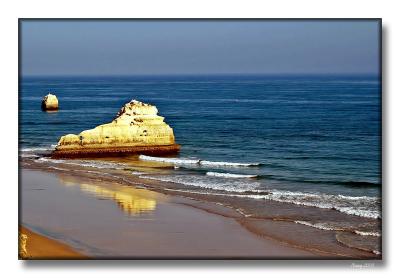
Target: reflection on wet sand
(131,200)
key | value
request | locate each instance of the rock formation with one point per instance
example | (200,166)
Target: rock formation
(49,102)
(136,129)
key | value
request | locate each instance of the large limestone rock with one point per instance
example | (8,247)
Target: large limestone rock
(136,129)
(49,102)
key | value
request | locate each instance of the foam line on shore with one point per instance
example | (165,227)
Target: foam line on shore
(362,206)
(227,164)
(320,226)
(28,155)
(368,233)
(184,161)
(214,183)
(169,160)
(88,163)
(35,149)
(229,175)
(327,227)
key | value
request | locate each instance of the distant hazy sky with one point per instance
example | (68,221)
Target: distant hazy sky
(198,47)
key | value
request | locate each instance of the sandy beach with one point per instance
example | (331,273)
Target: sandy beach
(99,220)
(115,214)
(38,247)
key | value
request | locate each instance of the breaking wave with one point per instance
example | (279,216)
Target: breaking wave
(36,149)
(362,206)
(169,160)
(229,175)
(212,182)
(321,226)
(376,234)
(330,227)
(196,161)
(137,173)
(28,155)
(227,164)
(84,163)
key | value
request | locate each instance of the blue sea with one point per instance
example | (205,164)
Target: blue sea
(308,140)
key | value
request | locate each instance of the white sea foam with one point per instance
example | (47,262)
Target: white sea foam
(254,196)
(376,234)
(169,160)
(216,183)
(226,164)
(229,175)
(58,168)
(321,226)
(362,206)
(35,152)
(84,163)
(137,173)
(242,213)
(191,161)
(38,149)
(327,227)
(28,155)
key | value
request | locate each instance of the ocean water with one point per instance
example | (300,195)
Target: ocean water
(308,140)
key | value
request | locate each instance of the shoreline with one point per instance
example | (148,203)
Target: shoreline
(272,229)
(182,223)
(35,246)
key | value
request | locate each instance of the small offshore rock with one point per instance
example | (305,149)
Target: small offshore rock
(50,102)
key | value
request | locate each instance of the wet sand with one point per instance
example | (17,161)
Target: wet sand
(103,219)
(38,247)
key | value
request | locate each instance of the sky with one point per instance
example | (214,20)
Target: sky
(147,47)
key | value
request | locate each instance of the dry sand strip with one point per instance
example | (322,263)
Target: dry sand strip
(38,247)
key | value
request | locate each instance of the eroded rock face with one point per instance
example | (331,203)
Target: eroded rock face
(49,102)
(136,129)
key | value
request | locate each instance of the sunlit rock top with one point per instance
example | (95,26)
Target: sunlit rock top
(136,125)
(49,102)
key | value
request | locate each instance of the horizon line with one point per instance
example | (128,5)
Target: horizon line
(203,74)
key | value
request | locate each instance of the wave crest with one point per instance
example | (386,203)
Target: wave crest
(84,163)
(196,161)
(362,206)
(229,175)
